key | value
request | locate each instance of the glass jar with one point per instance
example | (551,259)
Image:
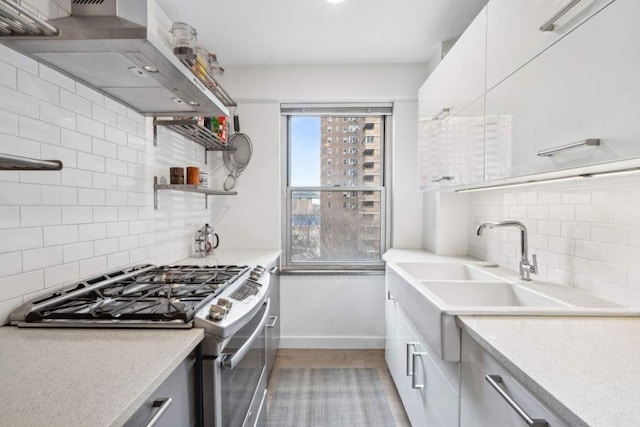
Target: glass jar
(184,38)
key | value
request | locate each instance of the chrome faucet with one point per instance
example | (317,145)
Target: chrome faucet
(526,268)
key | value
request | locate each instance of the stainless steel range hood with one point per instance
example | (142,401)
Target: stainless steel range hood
(122,48)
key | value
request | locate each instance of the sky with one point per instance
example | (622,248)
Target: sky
(305,151)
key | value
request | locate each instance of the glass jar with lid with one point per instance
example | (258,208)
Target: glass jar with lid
(184,38)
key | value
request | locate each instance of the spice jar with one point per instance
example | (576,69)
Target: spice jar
(193,175)
(204,180)
(176,176)
(184,38)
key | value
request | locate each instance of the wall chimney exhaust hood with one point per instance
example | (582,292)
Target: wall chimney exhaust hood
(122,48)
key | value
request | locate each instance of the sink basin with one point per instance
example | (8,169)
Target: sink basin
(445,271)
(487,294)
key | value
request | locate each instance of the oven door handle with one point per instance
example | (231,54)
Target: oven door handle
(230,361)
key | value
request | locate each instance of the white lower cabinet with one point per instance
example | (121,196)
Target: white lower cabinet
(483,404)
(428,398)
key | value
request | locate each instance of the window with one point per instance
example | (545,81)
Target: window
(328,129)
(320,233)
(329,140)
(344,129)
(369,139)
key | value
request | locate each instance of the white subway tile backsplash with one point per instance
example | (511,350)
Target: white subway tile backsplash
(17,59)
(17,146)
(17,102)
(77,251)
(126,183)
(10,263)
(77,177)
(76,103)
(33,216)
(90,162)
(115,135)
(117,229)
(90,94)
(592,213)
(135,116)
(8,75)
(549,197)
(624,255)
(537,212)
(9,217)
(127,124)
(56,78)
(60,235)
(575,196)
(562,212)
(35,259)
(90,127)
(75,140)
(77,214)
(127,213)
(105,149)
(592,250)
(34,177)
(550,228)
(610,233)
(127,154)
(105,181)
(92,231)
(118,259)
(57,115)
(54,276)
(20,194)
(91,197)
(21,284)
(114,106)
(105,214)
(561,245)
(89,267)
(136,142)
(128,242)
(116,198)
(57,195)
(8,123)
(117,167)
(104,115)
(39,131)
(37,87)
(105,246)
(625,214)
(608,273)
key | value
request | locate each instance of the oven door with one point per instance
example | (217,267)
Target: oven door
(239,376)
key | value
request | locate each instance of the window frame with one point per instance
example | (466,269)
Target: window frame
(384,188)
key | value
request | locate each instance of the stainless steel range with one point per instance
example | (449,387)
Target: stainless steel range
(229,302)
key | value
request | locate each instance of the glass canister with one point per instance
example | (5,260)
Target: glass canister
(184,38)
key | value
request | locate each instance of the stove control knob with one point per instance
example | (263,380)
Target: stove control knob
(225,303)
(254,275)
(217,312)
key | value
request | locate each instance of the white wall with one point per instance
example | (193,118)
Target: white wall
(586,233)
(97,213)
(323,311)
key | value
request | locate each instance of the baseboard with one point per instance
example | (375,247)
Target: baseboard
(332,342)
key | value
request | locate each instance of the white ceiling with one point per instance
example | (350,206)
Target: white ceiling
(317,32)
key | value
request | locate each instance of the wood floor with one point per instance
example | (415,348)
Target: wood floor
(290,358)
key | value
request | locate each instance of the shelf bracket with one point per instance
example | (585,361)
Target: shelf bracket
(155,192)
(155,135)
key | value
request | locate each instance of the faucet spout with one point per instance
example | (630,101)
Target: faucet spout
(525,266)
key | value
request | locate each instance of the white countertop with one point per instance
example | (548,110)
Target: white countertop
(251,257)
(84,377)
(586,369)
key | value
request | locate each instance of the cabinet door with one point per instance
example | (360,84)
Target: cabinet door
(390,334)
(451,150)
(405,347)
(580,88)
(480,403)
(514,36)
(273,326)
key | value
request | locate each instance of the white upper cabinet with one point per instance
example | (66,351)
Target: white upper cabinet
(582,88)
(514,34)
(451,110)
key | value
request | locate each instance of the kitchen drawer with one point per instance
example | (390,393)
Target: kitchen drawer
(182,387)
(480,403)
(513,31)
(580,89)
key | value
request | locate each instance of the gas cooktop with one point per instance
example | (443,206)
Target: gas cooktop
(144,295)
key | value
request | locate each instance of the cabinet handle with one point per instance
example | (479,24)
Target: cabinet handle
(442,114)
(409,367)
(273,270)
(585,143)
(160,406)
(443,178)
(230,361)
(274,320)
(389,297)
(496,381)
(414,380)
(548,24)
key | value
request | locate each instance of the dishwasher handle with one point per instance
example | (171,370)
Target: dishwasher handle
(160,406)
(230,361)
(496,381)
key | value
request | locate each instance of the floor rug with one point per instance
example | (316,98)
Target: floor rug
(315,397)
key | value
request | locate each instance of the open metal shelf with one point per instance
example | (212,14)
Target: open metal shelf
(17,163)
(189,189)
(207,79)
(16,20)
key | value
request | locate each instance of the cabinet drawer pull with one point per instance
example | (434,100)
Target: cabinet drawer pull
(585,143)
(548,24)
(160,406)
(274,320)
(414,380)
(496,381)
(389,297)
(442,114)
(409,367)
(443,178)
